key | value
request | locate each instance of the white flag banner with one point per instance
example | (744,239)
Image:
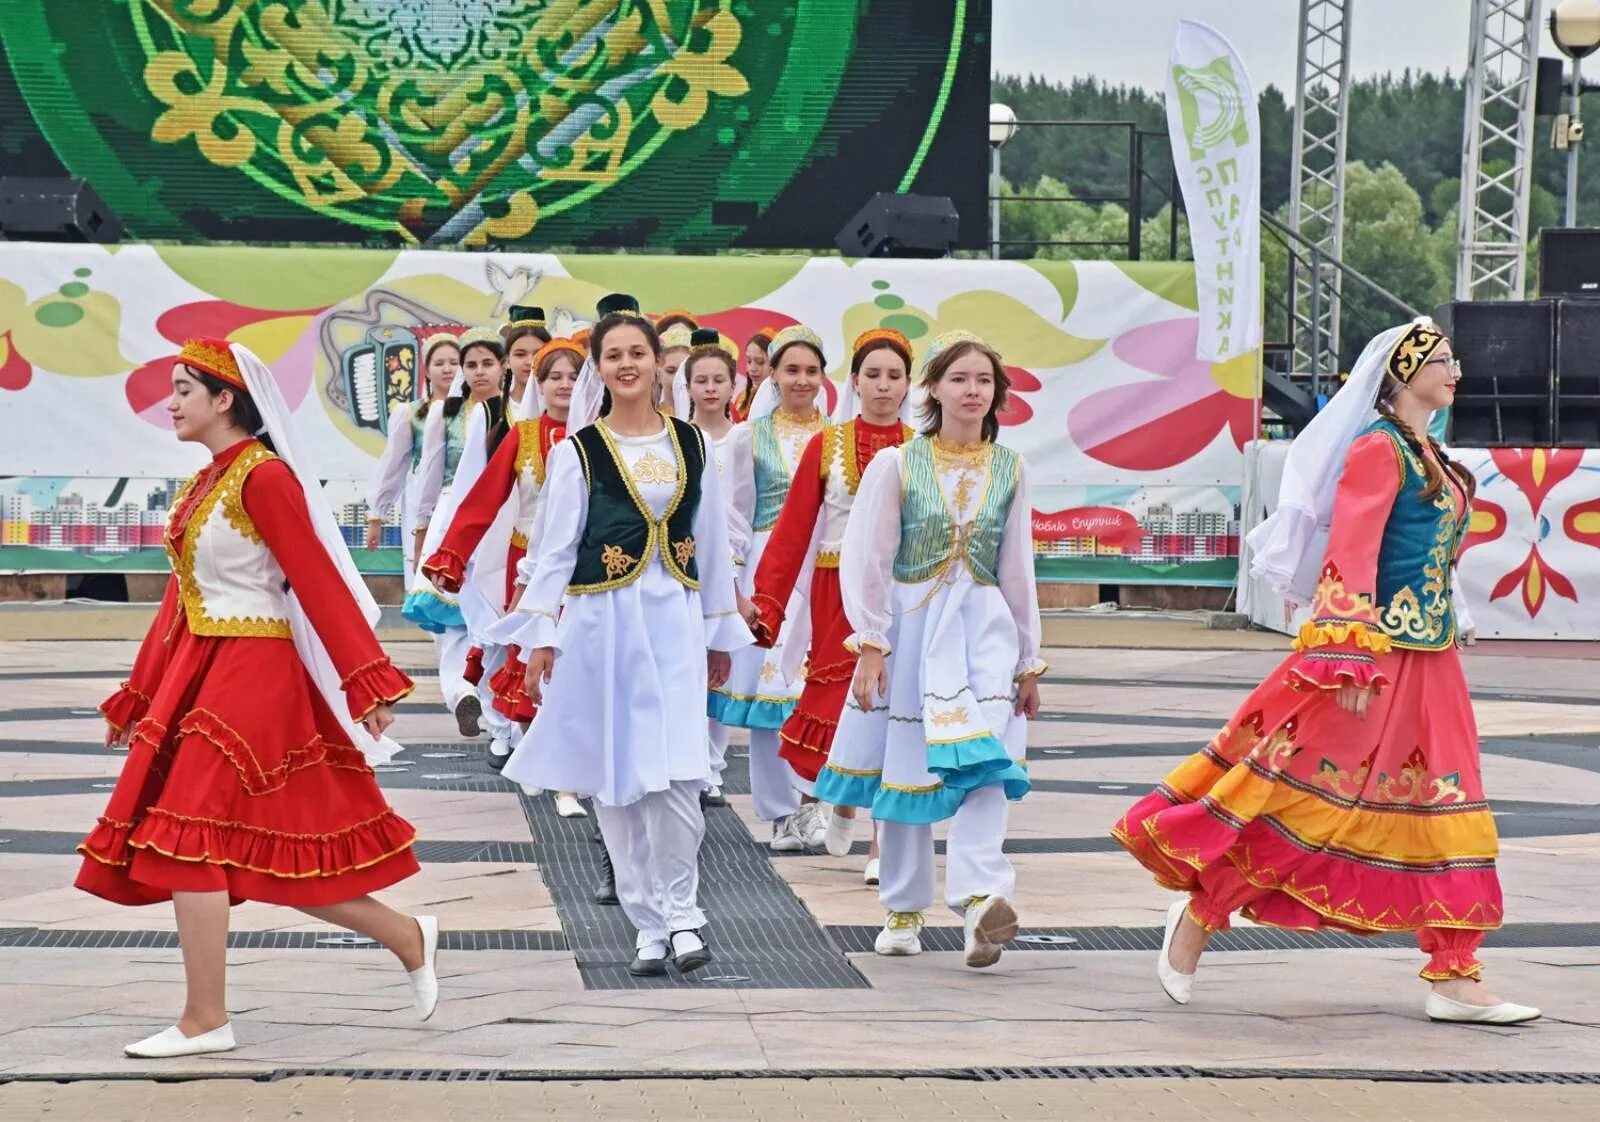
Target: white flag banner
(1216,146)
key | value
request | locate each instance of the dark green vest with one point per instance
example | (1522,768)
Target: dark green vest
(621,532)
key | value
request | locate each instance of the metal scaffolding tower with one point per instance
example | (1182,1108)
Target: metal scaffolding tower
(1492,239)
(1316,203)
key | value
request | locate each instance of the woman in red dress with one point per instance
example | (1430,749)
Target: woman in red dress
(1347,791)
(809,534)
(242,781)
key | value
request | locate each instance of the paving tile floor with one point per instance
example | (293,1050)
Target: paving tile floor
(1120,716)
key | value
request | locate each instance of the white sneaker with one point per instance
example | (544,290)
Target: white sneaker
(840,833)
(171,1042)
(812,825)
(899,935)
(531,791)
(786,836)
(568,806)
(991,924)
(424,979)
(1178,986)
(1442,1008)
(869,875)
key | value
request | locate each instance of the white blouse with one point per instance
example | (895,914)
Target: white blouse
(872,538)
(564,511)
(389,481)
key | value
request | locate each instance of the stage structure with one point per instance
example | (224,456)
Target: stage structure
(1502,67)
(1316,204)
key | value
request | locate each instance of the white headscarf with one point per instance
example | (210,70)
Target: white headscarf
(1287,549)
(263,390)
(588,392)
(682,406)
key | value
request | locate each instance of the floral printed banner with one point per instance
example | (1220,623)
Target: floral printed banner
(1133,444)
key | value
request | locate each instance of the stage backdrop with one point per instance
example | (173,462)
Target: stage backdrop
(669,123)
(1134,445)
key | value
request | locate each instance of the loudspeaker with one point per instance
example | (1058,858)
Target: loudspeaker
(1550,88)
(1569,262)
(892,225)
(1506,396)
(1578,373)
(54,210)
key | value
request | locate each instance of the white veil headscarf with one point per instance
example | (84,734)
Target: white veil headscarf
(275,415)
(1287,549)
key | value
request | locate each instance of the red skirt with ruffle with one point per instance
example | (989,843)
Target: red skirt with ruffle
(807,736)
(240,779)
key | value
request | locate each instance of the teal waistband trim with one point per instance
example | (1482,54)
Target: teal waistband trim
(430,613)
(748,712)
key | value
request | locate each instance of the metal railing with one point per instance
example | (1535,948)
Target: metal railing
(1138,179)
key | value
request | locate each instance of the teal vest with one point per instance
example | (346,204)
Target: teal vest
(621,532)
(930,541)
(1420,541)
(772,474)
(455,439)
(416,421)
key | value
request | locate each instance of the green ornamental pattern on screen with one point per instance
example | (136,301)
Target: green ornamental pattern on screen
(379,117)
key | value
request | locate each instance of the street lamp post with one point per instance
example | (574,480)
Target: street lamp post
(1002,127)
(1575,27)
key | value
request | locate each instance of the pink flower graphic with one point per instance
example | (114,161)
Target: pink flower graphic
(1157,423)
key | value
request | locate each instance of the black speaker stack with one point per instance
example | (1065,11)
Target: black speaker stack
(62,209)
(896,225)
(1530,369)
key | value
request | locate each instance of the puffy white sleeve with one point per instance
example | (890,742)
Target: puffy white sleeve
(430,471)
(866,559)
(1016,576)
(740,478)
(725,629)
(390,479)
(530,560)
(563,511)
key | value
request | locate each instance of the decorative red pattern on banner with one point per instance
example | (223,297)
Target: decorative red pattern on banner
(1488,524)
(1535,577)
(1582,523)
(1537,470)
(1107,525)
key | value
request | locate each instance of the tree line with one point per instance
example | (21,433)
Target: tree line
(1402,183)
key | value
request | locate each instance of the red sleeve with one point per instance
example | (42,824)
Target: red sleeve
(475,515)
(786,548)
(1340,643)
(131,702)
(273,499)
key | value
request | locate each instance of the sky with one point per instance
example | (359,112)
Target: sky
(1125,42)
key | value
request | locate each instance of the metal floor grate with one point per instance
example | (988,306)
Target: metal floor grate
(858,939)
(332,940)
(969,1074)
(762,936)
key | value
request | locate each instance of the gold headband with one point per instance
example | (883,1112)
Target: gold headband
(213,356)
(878,334)
(944,342)
(555,346)
(1414,349)
(789,336)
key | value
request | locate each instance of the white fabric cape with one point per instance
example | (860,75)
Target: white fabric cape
(263,389)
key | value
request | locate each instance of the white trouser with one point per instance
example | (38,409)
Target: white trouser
(655,848)
(499,725)
(717,738)
(974,862)
(771,779)
(452,647)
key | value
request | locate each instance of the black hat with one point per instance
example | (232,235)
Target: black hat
(526,315)
(705,337)
(618,303)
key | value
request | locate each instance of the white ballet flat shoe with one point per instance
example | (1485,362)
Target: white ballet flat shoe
(869,875)
(171,1042)
(840,834)
(424,979)
(567,806)
(1442,1008)
(1178,986)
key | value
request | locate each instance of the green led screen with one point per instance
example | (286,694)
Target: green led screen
(530,123)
